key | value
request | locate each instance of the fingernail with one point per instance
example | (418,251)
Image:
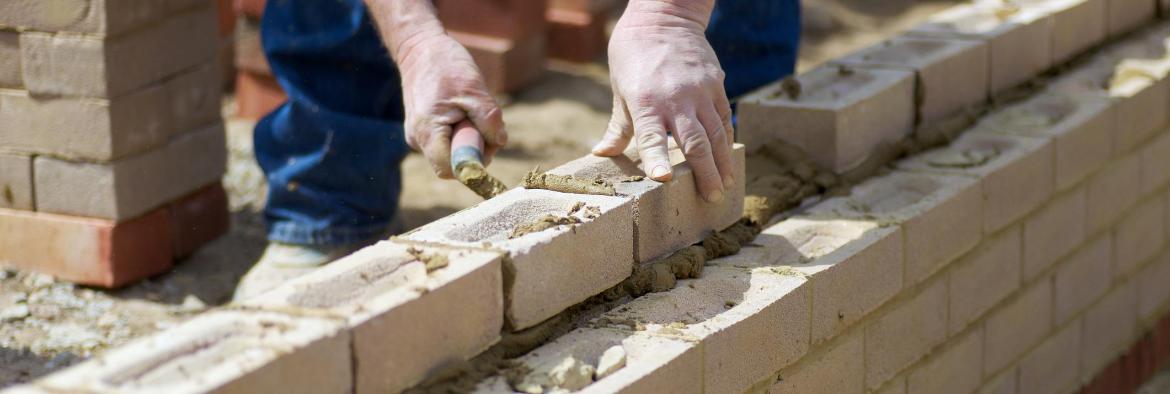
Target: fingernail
(659,172)
(715,196)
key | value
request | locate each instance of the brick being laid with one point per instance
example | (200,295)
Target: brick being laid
(101,17)
(399,301)
(222,351)
(552,269)
(839,116)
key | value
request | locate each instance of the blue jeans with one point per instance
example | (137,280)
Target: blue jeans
(332,152)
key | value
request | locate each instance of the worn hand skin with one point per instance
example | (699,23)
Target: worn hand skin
(666,77)
(441,85)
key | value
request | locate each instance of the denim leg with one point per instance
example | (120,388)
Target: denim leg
(332,152)
(756,41)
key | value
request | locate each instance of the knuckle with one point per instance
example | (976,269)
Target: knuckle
(695,146)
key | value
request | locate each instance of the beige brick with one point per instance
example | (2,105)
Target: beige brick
(1141,111)
(1126,15)
(1137,86)
(905,334)
(549,270)
(105,17)
(16,184)
(1156,163)
(1052,367)
(941,216)
(1078,25)
(667,216)
(1053,232)
(838,368)
(1015,327)
(1109,193)
(389,302)
(1154,288)
(1016,172)
(1108,328)
(1004,383)
(751,323)
(984,277)
(956,369)
(134,185)
(1080,127)
(935,61)
(896,386)
(1139,236)
(1083,278)
(10,60)
(1020,45)
(839,118)
(227,351)
(89,66)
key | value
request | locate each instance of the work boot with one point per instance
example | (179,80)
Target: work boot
(283,262)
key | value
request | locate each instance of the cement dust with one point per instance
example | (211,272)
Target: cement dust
(479,181)
(567,184)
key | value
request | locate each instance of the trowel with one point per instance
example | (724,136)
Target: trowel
(467,162)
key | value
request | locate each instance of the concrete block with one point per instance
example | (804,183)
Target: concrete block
(1083,278)
(1052,367)
(956,369)
(667,216)
(1080,127)
(1109,327)
(1141,111)
(1004,383)
(1156,163)
(16,184)
(1054,231)
(1139,237)
(101,17)
(1020,40)
(1153,291)
(1016,326)
(134,185)
(840,117)
(1016,173)
(10,60)
(401,317)
(1135,83)
(1111,192)
(88,66)
(507,64)
(905,334)
(1127,15)
(88,251)
(549,270)
(936,62)
(226,351)
(837,368)
(941,215)
(984,277)
(1077,26)
(198,219)
(751,323)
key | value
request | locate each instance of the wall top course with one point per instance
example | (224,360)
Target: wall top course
(828,87)
(976,152)
(979,20)
(1048,114)
(912,52)
(895,197)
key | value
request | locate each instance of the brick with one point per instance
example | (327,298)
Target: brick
(1080,127)
(496,18)
(389,302)
(1020,44)
(506,64)
(1004,383)
(1016,172)
(103,17)
(1083,278)
(549,270)
(1052,366)
(1156,164)
(896,386)
(1162,342)
(1142,112)
(838,368)
(88,66)
(230,351)
(905,334)
(10,60)
(198,219)
(16,185)
(576,36)
(1139,236)
(257,95)
(1078,26)
(1108,328)
(839,118)
(1153,291)
(1016,326)
(253,9)
(751,323)
(1053,231)
(1127,15)
(1136,85)
(957,369)
(935,61)
(667,216)
(1109,193)
(134,185)
(87,251)
(984,277)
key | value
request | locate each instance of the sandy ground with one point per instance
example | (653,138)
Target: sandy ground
(46,325)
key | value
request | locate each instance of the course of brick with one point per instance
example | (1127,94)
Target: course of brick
(111,141)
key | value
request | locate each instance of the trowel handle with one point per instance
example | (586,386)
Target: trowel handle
(466,145)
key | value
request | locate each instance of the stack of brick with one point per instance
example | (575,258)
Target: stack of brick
(577,29)
(111,142)
(257,92)
(505,37)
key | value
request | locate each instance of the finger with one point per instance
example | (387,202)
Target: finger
(696,147)
(437,149)
(487,117)
(489,152)
(651,132)
(617,135)
(723,109)
(720,148)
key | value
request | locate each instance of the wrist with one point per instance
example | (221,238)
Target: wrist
(668,13)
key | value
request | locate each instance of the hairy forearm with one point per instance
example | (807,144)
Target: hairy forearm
(404,25)
(682,13)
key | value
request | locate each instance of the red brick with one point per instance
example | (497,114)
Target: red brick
(227,17)
(1162,343)
(1129,371)
(508,19)
(1145,352)
(257,95)
(576,36)
(198,219)
(89,251)
(250,8)
(506,64)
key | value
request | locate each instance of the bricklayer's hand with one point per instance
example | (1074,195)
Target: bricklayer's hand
(666,77)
